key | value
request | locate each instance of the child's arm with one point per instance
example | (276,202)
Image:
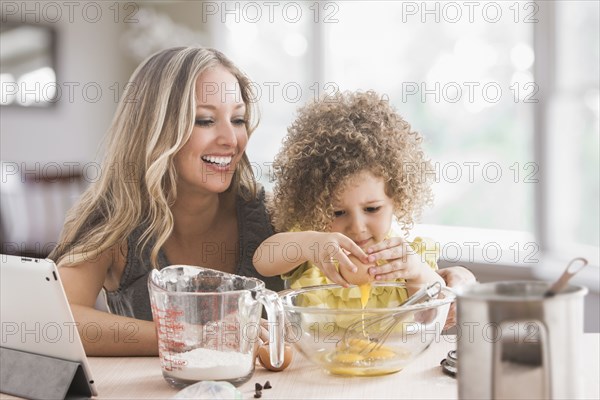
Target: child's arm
(403,262)
(283,252)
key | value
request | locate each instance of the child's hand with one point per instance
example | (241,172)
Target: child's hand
(330,250)
(403,261)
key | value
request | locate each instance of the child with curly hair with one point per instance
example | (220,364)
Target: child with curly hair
(349,165)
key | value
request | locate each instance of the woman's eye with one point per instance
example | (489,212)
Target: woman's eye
(339,213)
(372,209)
(239,121)
(203,122)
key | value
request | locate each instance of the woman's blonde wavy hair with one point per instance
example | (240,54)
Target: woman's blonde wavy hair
(332,140)
(153,120)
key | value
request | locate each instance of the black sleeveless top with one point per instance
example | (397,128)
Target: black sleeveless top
(132,299)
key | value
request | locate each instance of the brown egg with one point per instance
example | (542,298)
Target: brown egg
(265,361)
(359,277)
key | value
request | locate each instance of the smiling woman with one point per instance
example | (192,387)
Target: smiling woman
(219,136)
(176,188)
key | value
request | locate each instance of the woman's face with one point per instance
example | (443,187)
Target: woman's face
(207,161)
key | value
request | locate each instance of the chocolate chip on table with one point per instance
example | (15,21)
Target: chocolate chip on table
(258,386)
(267,385)
(257,395)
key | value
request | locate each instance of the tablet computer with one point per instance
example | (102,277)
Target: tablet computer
(35,314)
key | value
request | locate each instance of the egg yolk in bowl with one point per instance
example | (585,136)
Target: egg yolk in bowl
(322,316)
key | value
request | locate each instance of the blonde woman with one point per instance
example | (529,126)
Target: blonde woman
(176,188)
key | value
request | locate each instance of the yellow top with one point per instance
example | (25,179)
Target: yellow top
(309,274)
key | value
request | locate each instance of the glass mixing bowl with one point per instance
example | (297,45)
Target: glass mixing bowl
(329,326)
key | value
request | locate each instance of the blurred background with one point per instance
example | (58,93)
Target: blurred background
(506,95)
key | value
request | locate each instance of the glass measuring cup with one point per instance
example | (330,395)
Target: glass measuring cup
(208,322)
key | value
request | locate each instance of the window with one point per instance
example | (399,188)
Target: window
(505,94)
(465,85)
(277,57)
(573,127)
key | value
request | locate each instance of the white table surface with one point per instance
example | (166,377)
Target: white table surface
(141,378)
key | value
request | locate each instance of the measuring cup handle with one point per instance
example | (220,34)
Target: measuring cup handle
(275,314)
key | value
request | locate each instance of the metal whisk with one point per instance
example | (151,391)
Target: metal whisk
(355,332)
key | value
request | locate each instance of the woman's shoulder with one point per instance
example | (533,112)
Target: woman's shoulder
(250,195)
(98,268)
(253,214)
(249,201)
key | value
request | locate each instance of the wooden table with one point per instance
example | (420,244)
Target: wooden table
(141,378)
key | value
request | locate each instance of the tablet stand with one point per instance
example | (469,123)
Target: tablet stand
(34,376)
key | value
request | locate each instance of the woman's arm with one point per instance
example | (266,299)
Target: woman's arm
(455,277)
(104,334)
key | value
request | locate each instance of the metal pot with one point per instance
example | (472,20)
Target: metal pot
(514,343)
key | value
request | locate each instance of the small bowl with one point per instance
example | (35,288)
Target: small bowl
(319,317)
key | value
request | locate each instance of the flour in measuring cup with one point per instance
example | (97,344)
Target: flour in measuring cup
(208,364)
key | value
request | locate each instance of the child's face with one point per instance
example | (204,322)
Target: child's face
(363,211)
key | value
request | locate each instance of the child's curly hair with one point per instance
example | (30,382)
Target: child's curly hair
(333,139)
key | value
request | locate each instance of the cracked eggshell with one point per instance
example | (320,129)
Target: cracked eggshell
(359,277)
(264,357)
